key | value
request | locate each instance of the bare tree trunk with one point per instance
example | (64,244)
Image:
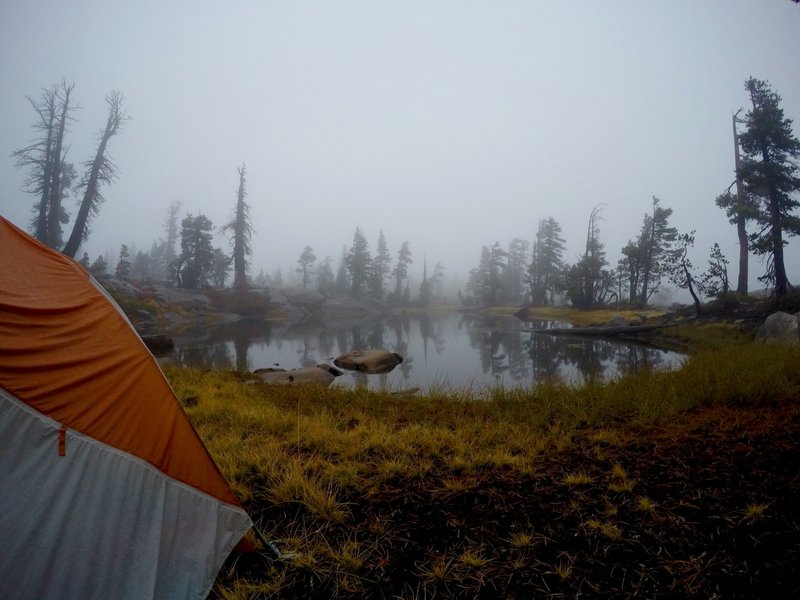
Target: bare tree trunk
(741,231)
(41,220)
(781,280)
(240,243)
(53,234)
(744,253)
(648,257)
(101,171)
(698,307)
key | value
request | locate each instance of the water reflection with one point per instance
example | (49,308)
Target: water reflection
(454,350)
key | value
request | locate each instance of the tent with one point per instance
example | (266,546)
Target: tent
(106,490)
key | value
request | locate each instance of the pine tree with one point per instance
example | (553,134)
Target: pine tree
(588,283)
(358,264)
(425,287)
(306,262)
(167,249)
(769,172)
(516,271)
(123,264)
(651,257)
(99,266)
(715,280)
(326,280)
(545,273)
(400,272)
(193,266)
(220,267)
(381,267)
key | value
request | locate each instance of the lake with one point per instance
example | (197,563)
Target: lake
(452,350)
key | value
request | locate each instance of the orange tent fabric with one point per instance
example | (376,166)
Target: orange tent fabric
(69,355)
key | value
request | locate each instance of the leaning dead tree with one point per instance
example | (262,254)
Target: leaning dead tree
(100,170)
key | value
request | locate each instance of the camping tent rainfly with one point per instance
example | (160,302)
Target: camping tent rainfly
(106,491)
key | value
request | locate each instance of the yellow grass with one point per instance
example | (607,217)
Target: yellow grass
(313,450)
(308,444)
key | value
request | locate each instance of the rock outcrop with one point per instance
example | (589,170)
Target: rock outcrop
(780,328)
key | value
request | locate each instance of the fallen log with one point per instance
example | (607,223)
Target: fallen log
(601,331)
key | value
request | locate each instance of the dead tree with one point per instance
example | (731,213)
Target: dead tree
(46,160)
(100,170)
(241,232)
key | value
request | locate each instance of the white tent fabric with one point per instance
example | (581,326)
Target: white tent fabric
(129,530)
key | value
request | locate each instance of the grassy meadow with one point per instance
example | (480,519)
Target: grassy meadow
(510,493)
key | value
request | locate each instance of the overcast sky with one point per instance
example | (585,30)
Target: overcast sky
(448,124)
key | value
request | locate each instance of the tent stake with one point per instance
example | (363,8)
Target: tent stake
(271,546)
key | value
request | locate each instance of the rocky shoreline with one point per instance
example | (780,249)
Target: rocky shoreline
(156,309)
(159,312)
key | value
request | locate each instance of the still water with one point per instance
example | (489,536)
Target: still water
(451,350)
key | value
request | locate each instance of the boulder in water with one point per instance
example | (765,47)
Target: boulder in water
(321,374)
(371,362)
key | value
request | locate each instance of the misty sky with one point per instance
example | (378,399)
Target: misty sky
(448,124)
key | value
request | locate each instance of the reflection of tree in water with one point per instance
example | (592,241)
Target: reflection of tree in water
(543,354)
(518,360)
(244,335)
(431,330)
(425,332)
(591,357)
(343,341)
(631,359)
(307,353)
(587,355)
(375,335)
(486,339)
(395,324)
(401,325)
(306,332)
(502,351)
(438,336)
(406,322)
(359,379)
(357,334)
(326,339)
(408,361)
(210,347)
(240,347)
(209,356)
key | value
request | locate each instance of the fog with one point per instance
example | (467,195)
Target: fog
(451,125)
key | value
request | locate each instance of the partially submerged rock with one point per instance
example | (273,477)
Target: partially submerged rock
(321,374)
(371,362)
(781,328)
